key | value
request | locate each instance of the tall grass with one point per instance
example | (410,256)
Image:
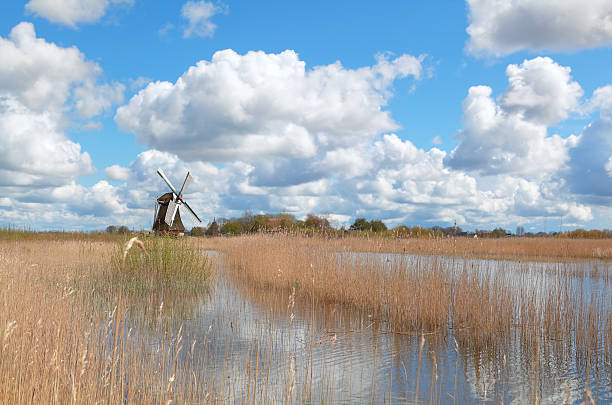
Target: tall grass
(534,249)
(56,347)
(166,264)
(484,306)
(78,324)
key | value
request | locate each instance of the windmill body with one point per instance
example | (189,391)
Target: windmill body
(167,217)
(160,226)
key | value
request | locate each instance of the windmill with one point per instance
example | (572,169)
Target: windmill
(167,217)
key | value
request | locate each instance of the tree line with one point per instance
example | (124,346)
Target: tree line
(315,224)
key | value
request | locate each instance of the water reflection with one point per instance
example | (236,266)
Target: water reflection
(265,345)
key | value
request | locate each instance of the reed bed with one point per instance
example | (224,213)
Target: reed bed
(483,306)
(79,323)
(512,248)
(59,347)
(161,263)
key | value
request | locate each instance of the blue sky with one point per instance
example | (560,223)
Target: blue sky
(411,113)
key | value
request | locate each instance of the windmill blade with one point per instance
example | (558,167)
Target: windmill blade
(155,210)
(163,176)
(185,184)
(171,212)
(191,212)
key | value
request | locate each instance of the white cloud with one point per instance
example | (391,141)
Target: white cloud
(117,173)
(45,77)
(42,86)
(602,100)
(72,12)
(34,151)
(258,105)
(502,27)
(512,136)
(92,126)
(198,15)
(94,99)
(40,74)
(540,91)
(436,140)
(588,173)
(100,200)
(590,165)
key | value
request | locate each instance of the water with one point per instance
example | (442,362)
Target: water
(257,346)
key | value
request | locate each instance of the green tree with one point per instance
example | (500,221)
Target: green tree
(401,231)
(261,223)
(197,231)
(285,221)
(231,228)
(111,229)
(417,231)
(498,233)
(360,224)
(377,225)
(123,230)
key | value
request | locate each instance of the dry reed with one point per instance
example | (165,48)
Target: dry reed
(56,348)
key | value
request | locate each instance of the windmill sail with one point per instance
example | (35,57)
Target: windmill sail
(171,212)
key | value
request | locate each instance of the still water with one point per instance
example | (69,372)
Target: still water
(266,347)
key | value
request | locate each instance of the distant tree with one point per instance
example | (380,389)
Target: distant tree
(360,224)
(285,220)
(261,223)
(197,231)
(111,229)
(231,228)
(401,231)
(247,221)
(520,231)
(498,233)
(316,222)
(213,229)
(377,225)
(418,231)
(123,230)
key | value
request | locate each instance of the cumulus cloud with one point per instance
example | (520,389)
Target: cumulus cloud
(94,99)
(39,83)
(317,141)
(199,14)
(512,136)
(72,12)
(117,173)
(258,105)
(34,151)
(505,26)
(589,166)
(45,77)
(541,91)
(100,200)
(42,87)
(602,101)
